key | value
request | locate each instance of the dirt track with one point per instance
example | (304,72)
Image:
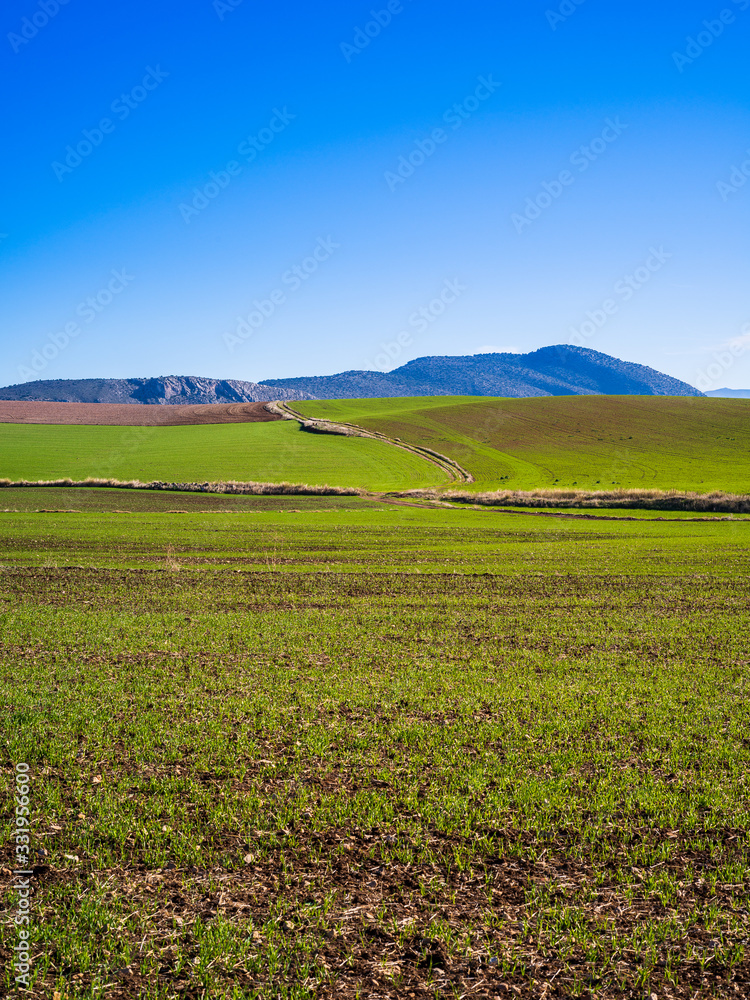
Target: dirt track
(132,414)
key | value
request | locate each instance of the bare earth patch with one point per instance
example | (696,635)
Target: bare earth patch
(132,414)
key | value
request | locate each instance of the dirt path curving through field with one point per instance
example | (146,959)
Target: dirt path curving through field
(456,472)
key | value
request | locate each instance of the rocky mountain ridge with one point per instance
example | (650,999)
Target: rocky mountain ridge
(167,390)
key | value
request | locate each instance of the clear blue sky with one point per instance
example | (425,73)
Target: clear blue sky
(116,115)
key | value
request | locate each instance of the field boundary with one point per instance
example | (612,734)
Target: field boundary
(231,488)
(667,500)
(322,426)
(302,489)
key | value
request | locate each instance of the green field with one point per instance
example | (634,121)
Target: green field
(382,538)
(253,452)
(590,442)
(378,751)
(583,442)
(334,747)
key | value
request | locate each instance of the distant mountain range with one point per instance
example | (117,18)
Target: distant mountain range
(729,393)
(551,371)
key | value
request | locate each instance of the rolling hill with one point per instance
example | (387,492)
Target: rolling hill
(272,452)
(582,442)
(586,442)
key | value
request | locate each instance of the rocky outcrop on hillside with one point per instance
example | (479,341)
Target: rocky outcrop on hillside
(168,390)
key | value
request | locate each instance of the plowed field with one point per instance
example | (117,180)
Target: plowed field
(132,415)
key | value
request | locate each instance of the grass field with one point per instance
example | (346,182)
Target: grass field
(592,442)
(379,752)
(252,452)
(582,442)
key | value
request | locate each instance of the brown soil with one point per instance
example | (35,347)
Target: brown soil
(132,414)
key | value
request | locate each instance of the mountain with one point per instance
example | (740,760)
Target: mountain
(169,390)
(729,393)
(551,371)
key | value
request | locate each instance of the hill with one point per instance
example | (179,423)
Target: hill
(271,452)
(587,442)
(551,371)
(167,390)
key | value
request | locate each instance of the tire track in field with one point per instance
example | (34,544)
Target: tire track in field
(447,465)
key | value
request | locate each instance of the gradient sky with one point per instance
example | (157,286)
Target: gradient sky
(317,124)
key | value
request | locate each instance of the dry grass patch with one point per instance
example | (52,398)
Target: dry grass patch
(715,502)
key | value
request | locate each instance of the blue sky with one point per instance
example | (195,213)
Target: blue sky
(253,189)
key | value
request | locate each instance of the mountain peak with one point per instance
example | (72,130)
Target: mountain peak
(559,370)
